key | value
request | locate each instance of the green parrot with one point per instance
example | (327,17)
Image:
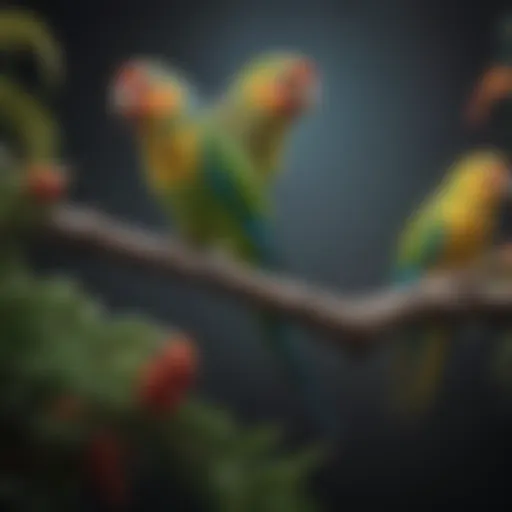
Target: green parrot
(454,227)
(262,105)
(207,185)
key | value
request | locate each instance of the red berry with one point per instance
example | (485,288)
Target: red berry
(47,184)
(168,377)
(181,360)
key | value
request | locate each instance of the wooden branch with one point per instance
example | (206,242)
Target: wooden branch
(354,320)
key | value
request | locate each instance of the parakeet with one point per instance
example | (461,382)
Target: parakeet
(208,187)
(263,104)
(453,228)
(158,105)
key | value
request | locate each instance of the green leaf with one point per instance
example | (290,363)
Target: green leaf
(30,121)
(258,442)
(21,29)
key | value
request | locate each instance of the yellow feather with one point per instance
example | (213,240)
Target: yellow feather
(171,160)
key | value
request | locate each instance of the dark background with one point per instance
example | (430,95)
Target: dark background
(396,74)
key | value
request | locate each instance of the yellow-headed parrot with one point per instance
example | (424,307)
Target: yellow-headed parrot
(453,228)
(262,105)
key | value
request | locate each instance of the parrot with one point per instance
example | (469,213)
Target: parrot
(206,184)
(453,228)
(262,105)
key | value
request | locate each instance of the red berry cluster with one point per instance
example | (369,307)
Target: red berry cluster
(167,378)
(104,454)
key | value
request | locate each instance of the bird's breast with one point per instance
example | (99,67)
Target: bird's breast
(470,233)
(173,162)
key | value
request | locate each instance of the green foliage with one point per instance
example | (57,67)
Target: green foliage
(57,343)
(23,30)
(241,468)
(23,118)
(28,122)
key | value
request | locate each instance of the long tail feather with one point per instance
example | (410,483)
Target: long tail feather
(419,370)
(300,371)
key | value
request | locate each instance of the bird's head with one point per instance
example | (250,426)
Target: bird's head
(483,177)
(144,90)
(279,85)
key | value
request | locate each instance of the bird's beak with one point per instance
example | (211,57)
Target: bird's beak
(135,103)
(160,101)
(307,80)
(301,90)
(494,85)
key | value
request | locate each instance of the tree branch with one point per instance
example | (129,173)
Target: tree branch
(357,319)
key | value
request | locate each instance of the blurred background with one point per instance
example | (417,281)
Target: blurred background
(396,75)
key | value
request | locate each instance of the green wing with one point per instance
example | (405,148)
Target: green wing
(231,180)
(421,248)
